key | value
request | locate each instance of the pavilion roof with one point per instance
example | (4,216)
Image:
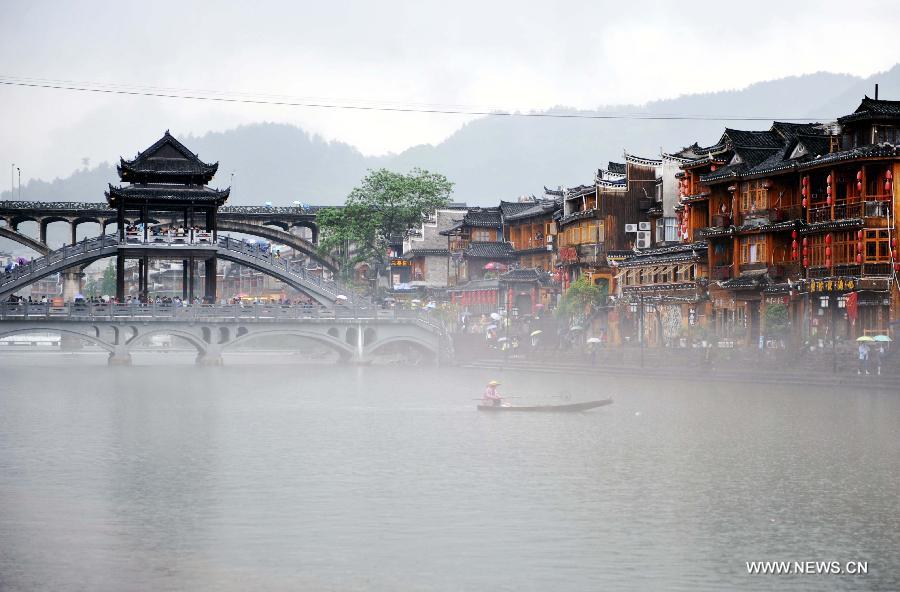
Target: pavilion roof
(167,194)
(166,160)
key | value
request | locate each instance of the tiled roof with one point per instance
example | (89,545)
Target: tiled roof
(746,281)
(534,274)
(672,254)
(167,192)
(873,109)
(413,253)
(872,151)
(753,139)
(510,208)
(616,167)
(167,157)
(538,209)
(489,250)
(482,218)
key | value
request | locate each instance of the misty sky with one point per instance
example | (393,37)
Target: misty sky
(497,55)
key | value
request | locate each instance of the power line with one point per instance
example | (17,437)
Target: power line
(273,100)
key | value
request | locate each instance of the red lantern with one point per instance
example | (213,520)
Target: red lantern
(804,181)
(828,251)
(828,200)
(897,267)
(859,234)
(858,259)
(794,245)
(828,239)
(859,246)
(828,263)
(803,191)
(888,174)
(794,234)
(805,241)
(859,175)
(828,179)
(894,242)
(803,203)
(712,168)
(887,186)
(805,262)
(828,190)
(893,255)
(794,254)
(805,250)
(859,185)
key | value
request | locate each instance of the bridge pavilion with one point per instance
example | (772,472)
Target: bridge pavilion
(167,183)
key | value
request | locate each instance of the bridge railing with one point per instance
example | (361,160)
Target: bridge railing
(108,311)
(266,256)
(56,257)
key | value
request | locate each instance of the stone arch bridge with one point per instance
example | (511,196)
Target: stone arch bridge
(268,222)
(355,334)
(238,251)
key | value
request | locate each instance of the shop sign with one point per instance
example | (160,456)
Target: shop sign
(832,285)
(692,316)
(400,263)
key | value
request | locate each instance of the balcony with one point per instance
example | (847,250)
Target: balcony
(594,253)
(878,206)
(770,216)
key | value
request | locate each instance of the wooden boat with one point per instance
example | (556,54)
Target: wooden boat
(548,408)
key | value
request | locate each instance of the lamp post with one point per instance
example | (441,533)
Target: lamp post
(640,306)
(20,182)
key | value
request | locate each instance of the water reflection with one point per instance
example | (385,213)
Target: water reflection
(312,477)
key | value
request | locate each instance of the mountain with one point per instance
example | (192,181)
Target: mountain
(493,158)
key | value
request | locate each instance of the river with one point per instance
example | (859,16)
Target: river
(290,477)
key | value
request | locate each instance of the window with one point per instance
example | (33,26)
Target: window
(665,230)
(753,196)
(481,235)
(877,246)
(843,249)
(753,249)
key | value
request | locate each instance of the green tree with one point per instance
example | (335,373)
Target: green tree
(582,294)
(385,204)
(776,319)
(108,283)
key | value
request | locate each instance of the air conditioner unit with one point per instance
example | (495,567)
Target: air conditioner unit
(643,226)
(643,240)
(631,228)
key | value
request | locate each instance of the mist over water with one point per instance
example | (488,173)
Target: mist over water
(317,477)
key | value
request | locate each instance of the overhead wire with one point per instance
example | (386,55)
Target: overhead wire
(276,100)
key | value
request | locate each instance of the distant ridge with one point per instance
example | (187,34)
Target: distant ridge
(489,159)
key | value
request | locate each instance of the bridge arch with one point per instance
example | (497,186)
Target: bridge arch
(432,348)
(24,239)
(344,350)
(191,338)
(278,233)
(51,329)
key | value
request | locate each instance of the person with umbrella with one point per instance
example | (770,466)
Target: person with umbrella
(863,352)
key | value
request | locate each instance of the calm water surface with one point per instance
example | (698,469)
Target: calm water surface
(286,477)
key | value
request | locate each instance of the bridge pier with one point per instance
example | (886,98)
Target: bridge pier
(119,357)
(211,357)
(71,283)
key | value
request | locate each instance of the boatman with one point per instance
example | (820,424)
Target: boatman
(491,396)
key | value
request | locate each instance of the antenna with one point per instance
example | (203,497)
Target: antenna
(876,91)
